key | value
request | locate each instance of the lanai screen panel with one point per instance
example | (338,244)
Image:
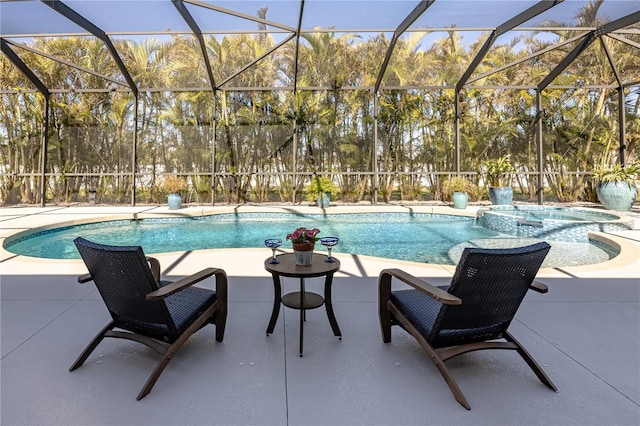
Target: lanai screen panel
(234,64)
(143,21)
(254,145)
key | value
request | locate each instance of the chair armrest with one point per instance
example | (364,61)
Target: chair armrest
(85,278)
(539,287)
(423,286)
(174,287)
(154,264)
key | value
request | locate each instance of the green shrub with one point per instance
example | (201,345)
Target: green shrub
(320,184)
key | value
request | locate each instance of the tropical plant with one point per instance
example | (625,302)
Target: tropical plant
(174,184)
(319,185)
(499,171)
(616,173)
(457,184)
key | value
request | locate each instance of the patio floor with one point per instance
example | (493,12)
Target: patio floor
(585,333)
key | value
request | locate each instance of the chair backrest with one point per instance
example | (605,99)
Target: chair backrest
(491,284)
(123,277)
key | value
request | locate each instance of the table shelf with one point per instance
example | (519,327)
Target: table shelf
(311,300)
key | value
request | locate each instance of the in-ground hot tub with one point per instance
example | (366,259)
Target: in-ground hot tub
(553,223)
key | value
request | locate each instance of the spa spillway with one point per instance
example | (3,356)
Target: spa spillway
(554,223)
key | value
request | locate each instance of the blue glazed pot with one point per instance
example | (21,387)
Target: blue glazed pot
(324,198)
(617,195)
(501,195)
(460,200)
(175,201)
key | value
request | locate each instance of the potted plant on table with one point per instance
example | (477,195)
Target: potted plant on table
(617,187)
(321,189)
(457,188)
(499,174)
(174,186)
(303,241)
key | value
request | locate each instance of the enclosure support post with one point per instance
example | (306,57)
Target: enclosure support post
(540,191)
(457,130)
(43,157)
(621,127)
(374,184)
(293,153)
(213,150)
(134,153)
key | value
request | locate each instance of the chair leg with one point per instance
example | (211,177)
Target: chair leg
(173,348)
(384,300)
(220,321)
(444,371)
(91,346)
(531,362)
(433,355)
(385,324)
(162,364)
(221,296)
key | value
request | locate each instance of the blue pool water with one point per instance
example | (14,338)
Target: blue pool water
(428,238)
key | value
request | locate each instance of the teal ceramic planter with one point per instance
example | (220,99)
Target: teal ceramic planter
(323,200)
(175,201)
(501,195)
(460,200)
(617,195)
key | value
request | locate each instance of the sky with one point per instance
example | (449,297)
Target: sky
(153,15)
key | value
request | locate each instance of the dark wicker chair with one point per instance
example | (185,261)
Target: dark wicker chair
(472,313)
(159,314)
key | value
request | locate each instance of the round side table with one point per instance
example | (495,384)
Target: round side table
(302,300)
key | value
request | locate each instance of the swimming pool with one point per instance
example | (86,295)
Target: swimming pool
(417,237)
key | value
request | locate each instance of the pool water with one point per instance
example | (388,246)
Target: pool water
(428,238)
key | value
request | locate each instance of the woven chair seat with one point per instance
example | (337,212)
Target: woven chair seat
(422,311)
(186,305)
(184,308)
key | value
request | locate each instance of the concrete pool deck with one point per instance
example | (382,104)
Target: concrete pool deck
(585,332)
